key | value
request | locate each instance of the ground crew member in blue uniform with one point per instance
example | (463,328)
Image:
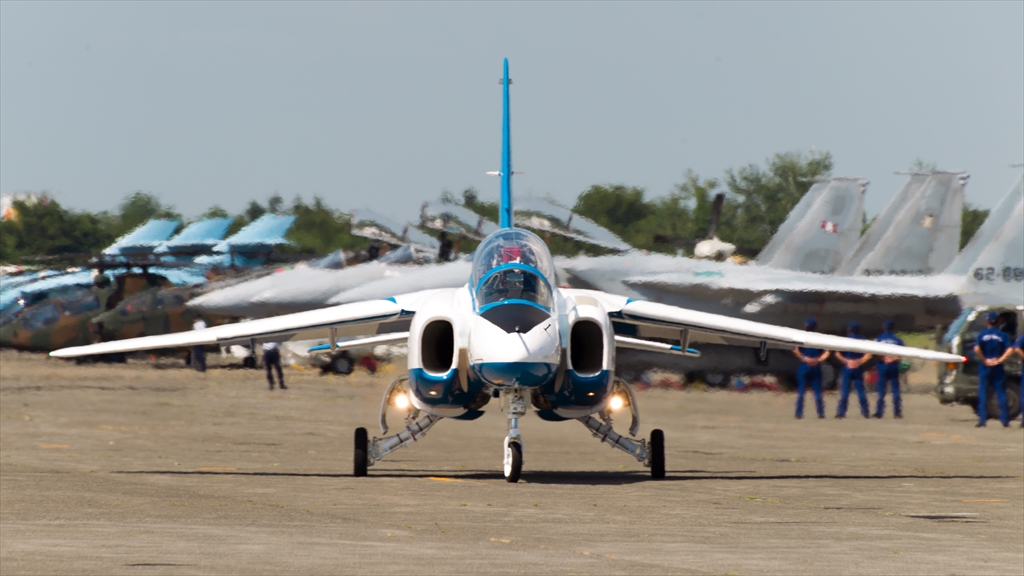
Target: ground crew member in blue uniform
(889,373)
(853,371)
(809,373)
(1018,348)
(198,352)
(992,348)
(272,359)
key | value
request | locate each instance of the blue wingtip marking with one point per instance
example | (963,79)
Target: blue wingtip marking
(505,217)
(688,350)
(391,299)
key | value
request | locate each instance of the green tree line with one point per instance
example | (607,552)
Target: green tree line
(42,227)
(757,201)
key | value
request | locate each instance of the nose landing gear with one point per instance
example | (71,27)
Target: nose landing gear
(513,464)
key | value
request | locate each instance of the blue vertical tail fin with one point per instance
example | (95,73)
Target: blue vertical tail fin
(505,210)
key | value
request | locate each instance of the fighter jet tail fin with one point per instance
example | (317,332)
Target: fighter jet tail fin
(984,236)
(919,232)
(821,230)
(994,275)
(143,239)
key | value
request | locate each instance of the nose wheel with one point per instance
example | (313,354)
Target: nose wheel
(513,461)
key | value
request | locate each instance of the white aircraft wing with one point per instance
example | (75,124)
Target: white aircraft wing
(653,320)
(355,319)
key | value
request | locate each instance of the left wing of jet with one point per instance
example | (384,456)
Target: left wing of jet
(355,319)
(640,320)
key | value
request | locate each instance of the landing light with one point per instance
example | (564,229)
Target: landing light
(401,400)
(616,402)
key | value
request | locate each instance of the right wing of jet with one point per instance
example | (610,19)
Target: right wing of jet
(661,321)
(355,319)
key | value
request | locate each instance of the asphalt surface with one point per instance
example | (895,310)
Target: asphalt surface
(155,469)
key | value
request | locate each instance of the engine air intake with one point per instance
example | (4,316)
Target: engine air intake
(437,346)
(586,347)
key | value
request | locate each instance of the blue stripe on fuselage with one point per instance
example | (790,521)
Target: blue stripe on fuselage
(579,391)
(441,391)
(576,392)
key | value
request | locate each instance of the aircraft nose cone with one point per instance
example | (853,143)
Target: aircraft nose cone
(505,358)
(491,343)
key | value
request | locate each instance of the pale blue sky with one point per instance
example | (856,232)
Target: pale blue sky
(385,104)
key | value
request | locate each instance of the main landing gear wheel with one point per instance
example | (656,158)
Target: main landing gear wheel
(657,454)
(513,462)
(359,455)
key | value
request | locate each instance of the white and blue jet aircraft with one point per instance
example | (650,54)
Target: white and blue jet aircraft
(510,333)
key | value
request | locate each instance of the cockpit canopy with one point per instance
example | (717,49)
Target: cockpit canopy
(512,266)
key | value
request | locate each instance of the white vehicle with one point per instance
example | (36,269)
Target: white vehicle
(511,333)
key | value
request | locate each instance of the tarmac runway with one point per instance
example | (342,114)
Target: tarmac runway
(155,469)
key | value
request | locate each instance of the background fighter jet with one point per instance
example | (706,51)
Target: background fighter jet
(821,231)
(375,226)
(996,276)
(63,308)
(250,246)
(308,288)
(1002,214)
(138,243)
(453,219)
(511,332)
(151,312)
(917,233)
(546,217)
(63,319)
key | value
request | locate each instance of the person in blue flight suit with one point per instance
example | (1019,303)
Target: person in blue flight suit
(889,373)
(853,371)
(993,348)
(1018,348)
(809,373)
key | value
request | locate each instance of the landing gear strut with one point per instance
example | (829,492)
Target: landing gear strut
(369,451)
(650,454)
(513,464)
